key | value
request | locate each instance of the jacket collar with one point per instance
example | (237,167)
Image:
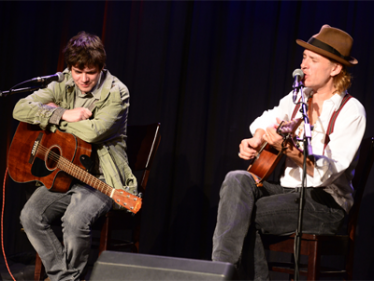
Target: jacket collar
(106,80)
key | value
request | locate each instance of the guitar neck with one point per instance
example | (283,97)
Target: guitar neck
(262,147)
(125,199)
(84,176)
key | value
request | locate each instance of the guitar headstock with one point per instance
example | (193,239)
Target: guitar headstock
(287,128)
(125,199)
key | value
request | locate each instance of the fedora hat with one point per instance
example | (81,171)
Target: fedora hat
(332,43)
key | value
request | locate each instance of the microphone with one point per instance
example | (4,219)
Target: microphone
(298,75)
(58,77)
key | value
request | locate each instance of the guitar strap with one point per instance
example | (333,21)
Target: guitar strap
(334,116)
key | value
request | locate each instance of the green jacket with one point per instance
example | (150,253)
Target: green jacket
(106,129)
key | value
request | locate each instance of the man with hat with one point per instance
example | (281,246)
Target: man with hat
(247,208)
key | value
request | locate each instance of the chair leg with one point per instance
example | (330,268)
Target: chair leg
(104,235)
(136,238)
(314,261)
(39,270)
(349,261)
(136,234)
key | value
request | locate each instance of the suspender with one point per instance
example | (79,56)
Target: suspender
(334,116)
(296,109)
(330,127)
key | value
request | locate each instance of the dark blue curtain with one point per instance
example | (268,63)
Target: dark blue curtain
(205,70)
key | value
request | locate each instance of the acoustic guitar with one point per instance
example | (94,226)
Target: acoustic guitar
(55,159)
(267,157)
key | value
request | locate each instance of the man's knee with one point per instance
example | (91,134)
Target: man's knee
(28,217)
(239,182)
(237,176)
(75,224)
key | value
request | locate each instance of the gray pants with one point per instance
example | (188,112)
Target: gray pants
(244,210)
(78,209)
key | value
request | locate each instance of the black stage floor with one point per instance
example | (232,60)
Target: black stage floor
(22,267)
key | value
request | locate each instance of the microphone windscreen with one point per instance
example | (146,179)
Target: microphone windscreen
(60,77)
(298,72)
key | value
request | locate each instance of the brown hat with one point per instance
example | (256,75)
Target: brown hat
(332,43)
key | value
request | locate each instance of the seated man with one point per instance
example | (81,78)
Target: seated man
(245,208)
(93,105)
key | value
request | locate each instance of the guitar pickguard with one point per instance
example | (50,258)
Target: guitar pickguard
(87,162)
(38,168)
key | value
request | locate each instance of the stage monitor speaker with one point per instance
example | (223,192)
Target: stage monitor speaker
(131,266)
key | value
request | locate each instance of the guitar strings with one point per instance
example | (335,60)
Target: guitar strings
(73,170)
(81,174)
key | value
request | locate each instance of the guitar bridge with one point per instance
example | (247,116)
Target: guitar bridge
(35,148)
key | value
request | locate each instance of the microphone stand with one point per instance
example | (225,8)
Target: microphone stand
(16,91)
(20,90)
(307,153)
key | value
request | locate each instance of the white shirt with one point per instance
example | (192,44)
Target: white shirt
(334,167)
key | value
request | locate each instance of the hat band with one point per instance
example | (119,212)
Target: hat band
(319,44)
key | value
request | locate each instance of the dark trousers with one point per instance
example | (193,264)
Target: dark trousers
(244,210)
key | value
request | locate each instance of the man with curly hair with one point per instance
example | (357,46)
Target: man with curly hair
(248,208)
(93,105)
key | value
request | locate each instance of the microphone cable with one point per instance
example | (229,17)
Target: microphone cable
(2,226)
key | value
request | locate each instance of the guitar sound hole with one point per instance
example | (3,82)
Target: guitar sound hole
(52,157)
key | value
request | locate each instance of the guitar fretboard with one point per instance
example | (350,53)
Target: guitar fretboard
(75,171)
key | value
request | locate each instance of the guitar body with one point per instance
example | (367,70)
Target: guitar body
(26,163)
(55,159)
(268,157)
(264,164)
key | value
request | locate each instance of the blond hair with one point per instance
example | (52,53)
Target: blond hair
(342,81)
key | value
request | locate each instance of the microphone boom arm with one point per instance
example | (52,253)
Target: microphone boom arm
(20,90)
(44,81)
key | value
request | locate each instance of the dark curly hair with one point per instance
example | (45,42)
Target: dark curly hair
(83,50)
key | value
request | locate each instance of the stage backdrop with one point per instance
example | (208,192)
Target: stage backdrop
(204,70)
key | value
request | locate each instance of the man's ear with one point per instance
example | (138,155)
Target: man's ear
(337,68)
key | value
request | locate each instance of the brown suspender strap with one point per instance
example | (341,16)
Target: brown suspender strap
(330,127)
(298,106)
(296,109)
